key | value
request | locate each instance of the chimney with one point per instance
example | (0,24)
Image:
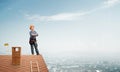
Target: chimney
(16,55)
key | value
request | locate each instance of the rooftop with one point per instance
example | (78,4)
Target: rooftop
(29,63)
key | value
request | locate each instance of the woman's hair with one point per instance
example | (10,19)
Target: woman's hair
(31,26)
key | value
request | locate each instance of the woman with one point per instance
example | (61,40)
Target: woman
(32,41)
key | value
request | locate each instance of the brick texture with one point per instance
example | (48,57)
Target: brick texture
(25,66)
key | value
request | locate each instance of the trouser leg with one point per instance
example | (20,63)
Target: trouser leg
(32,49)
(36,48)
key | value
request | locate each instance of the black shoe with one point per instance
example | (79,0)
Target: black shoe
(38,54)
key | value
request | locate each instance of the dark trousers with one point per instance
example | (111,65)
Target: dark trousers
(34,46)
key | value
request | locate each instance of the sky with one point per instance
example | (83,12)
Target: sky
(82,27)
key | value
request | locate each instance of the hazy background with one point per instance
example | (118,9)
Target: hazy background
(65,27)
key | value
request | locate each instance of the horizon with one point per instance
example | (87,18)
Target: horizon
(64,27)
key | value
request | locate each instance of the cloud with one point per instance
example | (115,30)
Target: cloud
(66,16)
(110,3)
(9,8)
(71,16)
(56,17)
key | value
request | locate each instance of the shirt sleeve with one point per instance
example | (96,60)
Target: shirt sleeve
(34,33)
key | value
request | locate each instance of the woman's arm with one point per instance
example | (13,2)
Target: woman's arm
(33,33)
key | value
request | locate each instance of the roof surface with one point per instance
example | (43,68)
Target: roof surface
(25,64)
